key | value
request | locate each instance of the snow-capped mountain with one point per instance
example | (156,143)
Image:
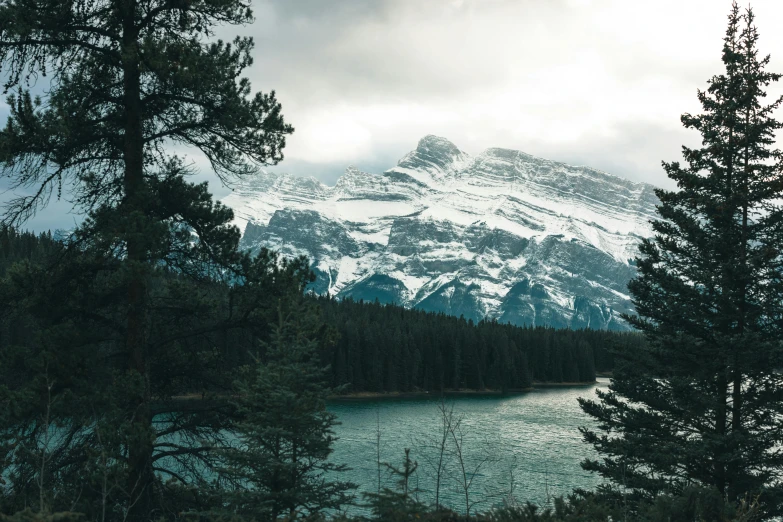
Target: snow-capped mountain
(502,234)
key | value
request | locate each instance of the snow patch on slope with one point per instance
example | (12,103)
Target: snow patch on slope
(503,233)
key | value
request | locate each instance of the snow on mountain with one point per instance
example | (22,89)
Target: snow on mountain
(502,234)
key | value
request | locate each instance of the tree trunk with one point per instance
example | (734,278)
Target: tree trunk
(736,403)
(140,441)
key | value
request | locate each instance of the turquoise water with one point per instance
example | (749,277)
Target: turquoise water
(532,437)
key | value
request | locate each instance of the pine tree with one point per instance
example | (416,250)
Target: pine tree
(280,463)
(127,78)
(703,404)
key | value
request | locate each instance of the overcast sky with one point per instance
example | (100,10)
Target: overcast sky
(591,82)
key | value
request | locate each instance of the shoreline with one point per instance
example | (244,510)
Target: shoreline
(565,384)
(369,396)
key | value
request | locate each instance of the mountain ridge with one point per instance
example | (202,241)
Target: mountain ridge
(470,235)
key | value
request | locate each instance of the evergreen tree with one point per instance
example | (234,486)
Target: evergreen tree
(127,78)
(703,404)
(279,464)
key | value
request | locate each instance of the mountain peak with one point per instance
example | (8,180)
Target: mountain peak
(435,155)
(431,143)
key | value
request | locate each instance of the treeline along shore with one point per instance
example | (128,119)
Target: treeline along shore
(387,349)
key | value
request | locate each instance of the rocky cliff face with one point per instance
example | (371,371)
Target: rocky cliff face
(503,234)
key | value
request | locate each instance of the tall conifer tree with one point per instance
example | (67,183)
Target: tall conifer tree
(704,404)
(128,78)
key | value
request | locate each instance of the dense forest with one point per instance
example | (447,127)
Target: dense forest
(389,348)
(386,348)
(16,246)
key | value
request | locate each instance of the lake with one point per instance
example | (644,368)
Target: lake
(532,437)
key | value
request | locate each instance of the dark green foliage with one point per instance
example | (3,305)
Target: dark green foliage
(694,505)
(700,504)
(150,291)
(18,246)
(62,374)
(384,336)
(127,77)
(279,461)
(386,348)
(28,515)
(703,404)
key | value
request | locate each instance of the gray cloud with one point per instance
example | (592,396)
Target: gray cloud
(598,82)
(592,82)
